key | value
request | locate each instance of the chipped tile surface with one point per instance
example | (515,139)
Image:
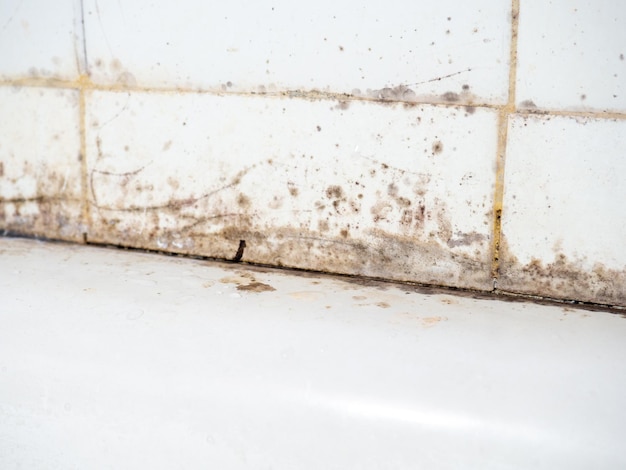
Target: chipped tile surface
(136,360)
(380,190)
(438,51)
(564,220)
(571,55)
(38,41)
(40,169)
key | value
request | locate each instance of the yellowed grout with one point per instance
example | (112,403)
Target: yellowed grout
(503,123)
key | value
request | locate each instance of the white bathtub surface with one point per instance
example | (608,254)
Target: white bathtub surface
(118,359)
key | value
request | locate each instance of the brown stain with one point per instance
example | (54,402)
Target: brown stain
(334,192)
(215,222)
(397,93)
(384,255)
(243,200)
(465,239)
(562,279)
(255,287)
(246,281)
(528,104)
(451,97)
(53,209)
(293,189)
(437,147)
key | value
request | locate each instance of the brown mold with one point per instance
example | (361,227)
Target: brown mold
(562,279)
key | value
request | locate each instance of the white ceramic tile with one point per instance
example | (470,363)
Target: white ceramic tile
(571,54)
(445,50)
(134,360)
(40,39)
(564,220)
(395,191)
(40,166)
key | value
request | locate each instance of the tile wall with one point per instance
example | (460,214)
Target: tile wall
(474,145)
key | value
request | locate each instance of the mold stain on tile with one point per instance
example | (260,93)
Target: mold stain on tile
(562,278)
(48,210)
(397,231)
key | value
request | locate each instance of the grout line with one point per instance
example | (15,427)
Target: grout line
(82,108)
(503,122)
(311,95)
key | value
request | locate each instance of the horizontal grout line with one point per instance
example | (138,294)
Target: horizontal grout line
(85,84)
(571,113)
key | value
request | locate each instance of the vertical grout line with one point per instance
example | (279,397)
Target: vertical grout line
(86,213)
(84,83)
(503,123)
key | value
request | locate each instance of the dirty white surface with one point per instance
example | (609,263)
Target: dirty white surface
(353,188)
(562,236)
(40,162)
(417,50)
(365,139)
(571,55)
(113,359)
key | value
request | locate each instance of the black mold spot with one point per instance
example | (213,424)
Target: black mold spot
(465,87)
(470,109)
(318,128)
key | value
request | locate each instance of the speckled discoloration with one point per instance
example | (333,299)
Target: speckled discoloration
(40,185)
(368,195)
(562,278)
